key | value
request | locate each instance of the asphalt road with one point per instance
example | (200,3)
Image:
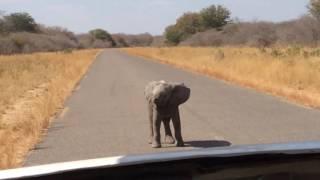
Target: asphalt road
(107,114)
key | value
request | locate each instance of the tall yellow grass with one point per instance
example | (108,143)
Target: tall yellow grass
(293,73)
(32,89)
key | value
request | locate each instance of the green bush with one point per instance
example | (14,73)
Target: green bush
(214,16)
(19,22)
(294,51)
(314,8)
(191,23)
(173,35)
(103,35)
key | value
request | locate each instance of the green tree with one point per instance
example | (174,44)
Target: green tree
(173,35)
(19,22)
(188,24)
(102,35)
(314,8)
(214,16)
(191,23)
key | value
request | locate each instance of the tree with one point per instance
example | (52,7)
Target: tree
(191,23)
(188,24)
(173,35)
(19,22)
(100,34)
(214,16)
(103,35)
(314,8)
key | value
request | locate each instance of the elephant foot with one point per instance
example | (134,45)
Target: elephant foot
(156,145)
(169,140)
(180,144)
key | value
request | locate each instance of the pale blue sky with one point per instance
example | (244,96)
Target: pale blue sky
(139,16)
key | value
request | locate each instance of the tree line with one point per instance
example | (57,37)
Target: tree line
(213,26)
(20,33)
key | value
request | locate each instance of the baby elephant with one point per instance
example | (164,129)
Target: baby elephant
(163,105)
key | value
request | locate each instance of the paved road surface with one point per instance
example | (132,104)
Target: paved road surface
(107,115)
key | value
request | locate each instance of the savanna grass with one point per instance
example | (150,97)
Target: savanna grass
(292,73)
(32,89)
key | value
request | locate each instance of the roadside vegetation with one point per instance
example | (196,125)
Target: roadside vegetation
(213,26)
(293,72)
(33,88)
(20,33)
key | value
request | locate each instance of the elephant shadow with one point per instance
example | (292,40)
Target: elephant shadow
(207,143)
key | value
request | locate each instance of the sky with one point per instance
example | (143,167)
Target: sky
(140,16)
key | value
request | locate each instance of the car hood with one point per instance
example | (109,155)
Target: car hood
(131,160)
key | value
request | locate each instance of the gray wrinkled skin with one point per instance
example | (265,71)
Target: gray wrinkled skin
(163,106)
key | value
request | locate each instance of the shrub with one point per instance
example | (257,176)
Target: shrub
(173,35)
(276,53)
(102,35)
(119,40)
(158,41)
(188,24)
(7,46)
(191,23)
(304,31)
(144,39)
(314,8)
(98,43)
(214,16)
(19,33)
(294,51)
(29,42)
(315,52)
(19,22)
(207,38)
(85,40)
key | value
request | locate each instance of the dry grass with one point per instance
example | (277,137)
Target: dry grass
(293,73)
(32,89)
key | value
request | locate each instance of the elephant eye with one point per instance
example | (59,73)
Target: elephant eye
(156,100)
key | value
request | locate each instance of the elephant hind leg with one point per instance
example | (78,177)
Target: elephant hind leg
(168,135)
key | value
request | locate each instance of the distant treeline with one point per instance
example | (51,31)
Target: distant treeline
(212,26)
(304,31)
(19,33)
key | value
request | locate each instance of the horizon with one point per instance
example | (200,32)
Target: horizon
(144,16)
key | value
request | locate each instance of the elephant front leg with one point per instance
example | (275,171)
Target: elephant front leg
(177,128)
(156,129)
(150,116)
(168,138)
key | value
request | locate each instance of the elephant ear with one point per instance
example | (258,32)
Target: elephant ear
(180,94)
